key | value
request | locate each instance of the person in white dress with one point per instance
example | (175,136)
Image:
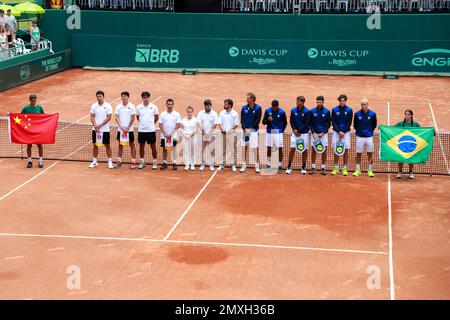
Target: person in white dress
(189,128)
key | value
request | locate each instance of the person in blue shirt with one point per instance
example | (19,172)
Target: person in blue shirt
(299,120)
(320,124)
(364,122)
(276,121)
(250,118)
(341,118)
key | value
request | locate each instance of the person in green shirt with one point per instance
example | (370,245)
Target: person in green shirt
(408,121)
(34,108)
(35,36)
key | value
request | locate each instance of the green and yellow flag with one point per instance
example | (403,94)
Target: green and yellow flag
(406,144)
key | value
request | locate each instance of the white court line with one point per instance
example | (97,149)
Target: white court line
(88,115)
(388,113)
(439,138)
(190,206)
(391,258)
(40,173)
(56,249)
(28,181)
(70,125)
(48,168)
(227,244)
(84,117)
(14,258)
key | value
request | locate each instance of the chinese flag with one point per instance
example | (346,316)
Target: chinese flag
(32,128)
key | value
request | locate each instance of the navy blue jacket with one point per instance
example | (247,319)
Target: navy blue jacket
(320,120)
(342,118)
(300,119)
(365,123)
(279,120)
(251,117)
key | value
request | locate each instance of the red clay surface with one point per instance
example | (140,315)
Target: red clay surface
(247,236)
(72,92)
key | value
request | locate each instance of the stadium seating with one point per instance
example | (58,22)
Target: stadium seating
(279,6)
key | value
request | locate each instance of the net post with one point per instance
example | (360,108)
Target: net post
(431,163)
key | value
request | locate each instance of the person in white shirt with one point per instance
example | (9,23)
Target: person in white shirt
(169,123)
(147,113)
(189,128)
(12,24)
(228,122)
(101,113)
(3,43)
(209,121)
(3,19)
(125,115)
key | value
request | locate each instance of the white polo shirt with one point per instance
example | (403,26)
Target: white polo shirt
(208,119)
(146,116)
(125,113)
(101,112)
(189,125)
(228,120)
(169,121)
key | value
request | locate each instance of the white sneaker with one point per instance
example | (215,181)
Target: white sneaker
(93,165)
(155,165)
(289,170)
(399,175)
(243,168)
(186,167)
(269,165)
(303,171)
(202,167)
(220,168)
(257,168)
(110,165)
(211,168)
(411,176)
(233,168)
(192,167)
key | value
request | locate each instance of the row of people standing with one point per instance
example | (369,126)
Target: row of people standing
(222,128)
(302,120)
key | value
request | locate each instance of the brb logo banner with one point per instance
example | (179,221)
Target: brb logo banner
(432,58)
(339,57)
(259,56)
(146,54)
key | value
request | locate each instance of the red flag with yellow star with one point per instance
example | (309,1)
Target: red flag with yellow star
(32,128)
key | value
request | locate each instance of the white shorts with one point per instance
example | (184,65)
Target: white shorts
(274,140)
(303,136)
(346,139)
(324,139)
(253,142)
(364,144)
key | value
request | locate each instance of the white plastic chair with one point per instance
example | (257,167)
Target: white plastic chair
(319,4)
(46,44)
(20,46)
(339,3)
(297,5)
(255,4)
(444,4)
(272,5)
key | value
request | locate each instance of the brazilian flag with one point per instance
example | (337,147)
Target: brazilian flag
(406,144)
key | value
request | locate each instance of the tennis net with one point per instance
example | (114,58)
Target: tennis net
(74,143)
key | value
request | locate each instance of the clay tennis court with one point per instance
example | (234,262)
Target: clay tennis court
(199,235)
